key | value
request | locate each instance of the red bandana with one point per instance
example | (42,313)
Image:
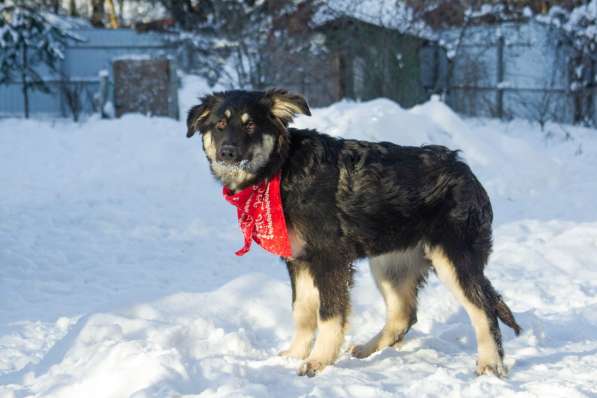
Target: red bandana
(261,217)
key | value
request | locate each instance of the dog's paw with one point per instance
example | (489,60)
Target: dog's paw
(398,344)
(293,354)
(310,368)
(285,354)
(361,351)
(496,368)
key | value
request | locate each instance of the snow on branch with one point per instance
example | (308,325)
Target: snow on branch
(30,39)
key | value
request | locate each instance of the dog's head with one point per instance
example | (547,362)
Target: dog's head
(244,132)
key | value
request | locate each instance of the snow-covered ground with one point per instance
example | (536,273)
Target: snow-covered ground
(118,276)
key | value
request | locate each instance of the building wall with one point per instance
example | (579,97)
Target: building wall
(81,65)
(375,62)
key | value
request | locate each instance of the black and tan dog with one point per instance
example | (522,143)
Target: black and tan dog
(408,209)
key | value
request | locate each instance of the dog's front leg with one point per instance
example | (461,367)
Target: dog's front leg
(333,280)
(305,305)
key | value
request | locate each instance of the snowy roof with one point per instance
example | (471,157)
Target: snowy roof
(97,37)
(66,22)
(389,14)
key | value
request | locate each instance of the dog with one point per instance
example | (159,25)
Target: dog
(407,209)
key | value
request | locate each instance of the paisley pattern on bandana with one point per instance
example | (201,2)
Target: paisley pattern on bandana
(261,217)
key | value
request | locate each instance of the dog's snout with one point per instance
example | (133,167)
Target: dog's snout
(229,153)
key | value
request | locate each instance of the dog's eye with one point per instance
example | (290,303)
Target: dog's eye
(221,124)
(250,126)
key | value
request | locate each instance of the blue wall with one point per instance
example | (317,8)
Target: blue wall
(536,82)
(82,64)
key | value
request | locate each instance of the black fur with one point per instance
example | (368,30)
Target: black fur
(351,199)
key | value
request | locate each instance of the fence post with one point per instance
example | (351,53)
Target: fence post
(173,110)
(103,92)
(60,88)
(592,93)
(436,66)
(499,99)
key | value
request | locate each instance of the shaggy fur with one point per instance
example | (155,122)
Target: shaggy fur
(408,209)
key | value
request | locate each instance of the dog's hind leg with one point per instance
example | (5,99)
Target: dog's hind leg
(474,291)
(305,305)
(333,279)
(398,276)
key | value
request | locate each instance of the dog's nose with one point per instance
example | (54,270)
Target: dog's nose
(229,153)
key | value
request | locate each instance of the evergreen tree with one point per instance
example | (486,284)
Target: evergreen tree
(28,40)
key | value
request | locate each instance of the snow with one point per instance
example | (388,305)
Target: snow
(134,57)
(580,23)
(119,279)
(390,14)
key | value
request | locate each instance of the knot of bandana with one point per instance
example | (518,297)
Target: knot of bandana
(261,217)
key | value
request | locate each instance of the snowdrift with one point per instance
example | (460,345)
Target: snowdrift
(119,279)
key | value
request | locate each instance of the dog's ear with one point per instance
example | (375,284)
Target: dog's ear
(285,105)
(199,113)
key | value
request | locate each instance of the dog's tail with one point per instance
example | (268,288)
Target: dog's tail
(505,315)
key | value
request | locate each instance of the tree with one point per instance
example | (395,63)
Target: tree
(240,42)
(73,91)
(97,13)
(72,8)
(28,40)
(579,26)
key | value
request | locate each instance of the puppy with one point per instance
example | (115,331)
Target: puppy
(407,209)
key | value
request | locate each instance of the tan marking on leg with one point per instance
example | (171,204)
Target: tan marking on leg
(304,313)
(326,348)
(489,358)
(396,275)
(398,312)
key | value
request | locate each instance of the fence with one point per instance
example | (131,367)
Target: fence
(516,70)
(81,68)
(507,70)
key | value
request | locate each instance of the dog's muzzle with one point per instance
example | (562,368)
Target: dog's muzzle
(228,153)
